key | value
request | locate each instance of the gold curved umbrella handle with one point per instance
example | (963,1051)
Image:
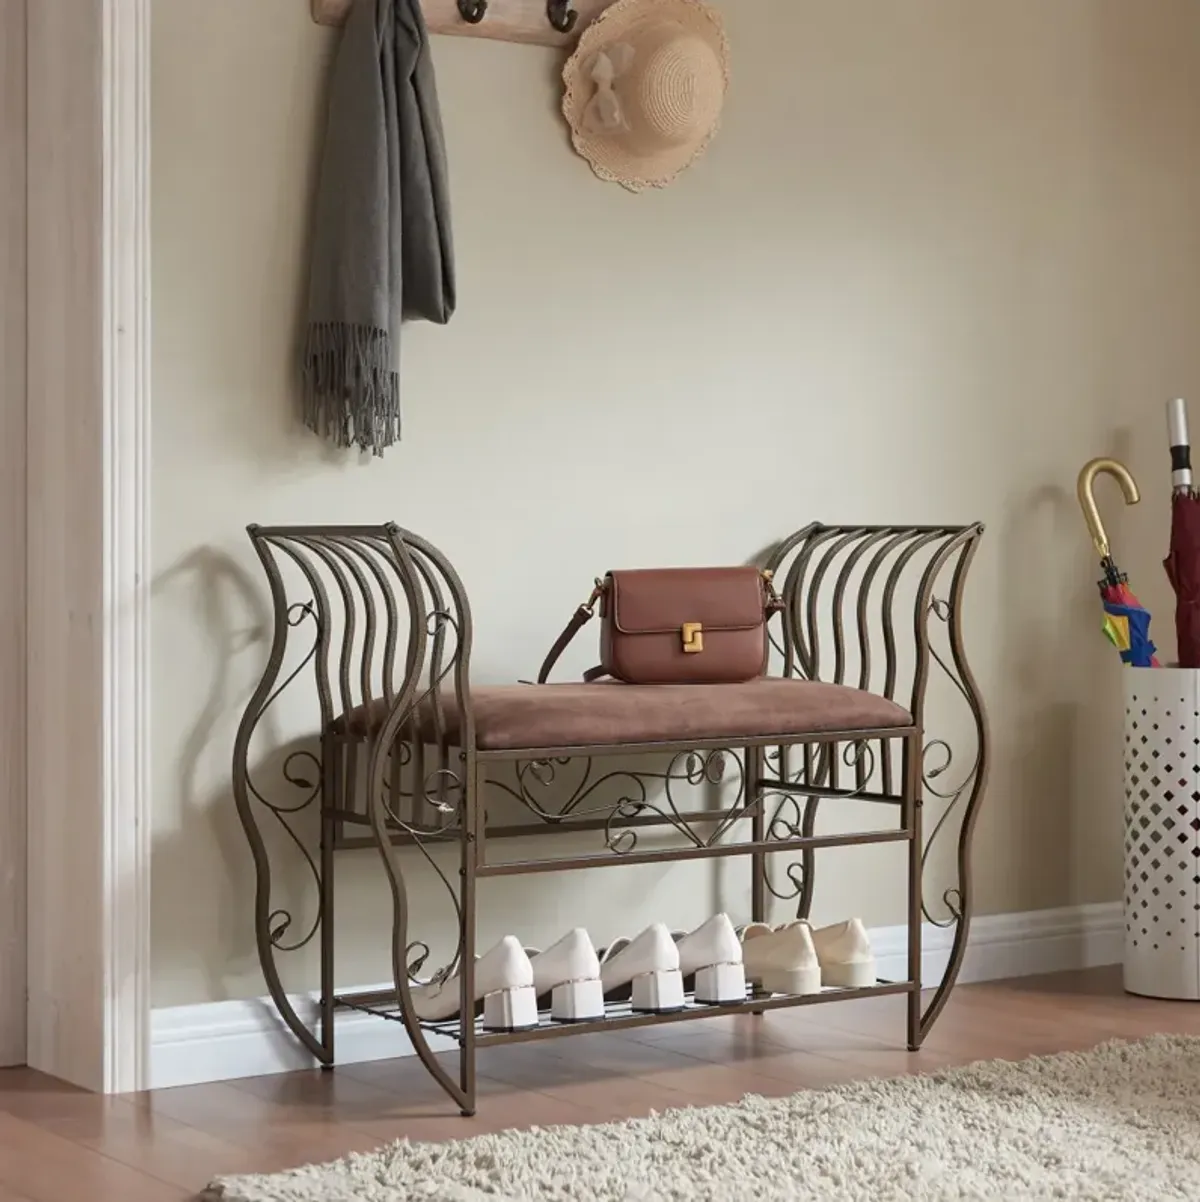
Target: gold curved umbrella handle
(1086,488)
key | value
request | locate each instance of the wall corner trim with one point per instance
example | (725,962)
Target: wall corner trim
(127,845)
(88,541)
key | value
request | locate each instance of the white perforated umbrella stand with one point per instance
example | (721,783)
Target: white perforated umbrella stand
(1162,832)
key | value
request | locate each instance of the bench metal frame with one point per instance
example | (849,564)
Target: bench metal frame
(383,619)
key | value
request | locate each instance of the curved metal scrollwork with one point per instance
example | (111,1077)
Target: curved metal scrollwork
(389,658)
(279,921)
(795,814)
(272,923)
(431,709)
(636,803)
(937,762)
(841,589)
(959,796)
(437,786)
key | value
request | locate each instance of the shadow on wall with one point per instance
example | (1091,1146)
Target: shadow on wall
(286,785)
(1058,762)
(1041,782)
(221,594)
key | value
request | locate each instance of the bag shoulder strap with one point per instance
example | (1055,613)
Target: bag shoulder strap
(579,619)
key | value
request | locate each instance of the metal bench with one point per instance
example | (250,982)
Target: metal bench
(408,757)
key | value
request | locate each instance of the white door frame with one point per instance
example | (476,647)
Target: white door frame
(12,532)
(88,94)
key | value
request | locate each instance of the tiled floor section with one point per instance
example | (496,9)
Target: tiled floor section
(60,1145)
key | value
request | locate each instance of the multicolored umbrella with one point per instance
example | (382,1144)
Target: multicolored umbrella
(1183,561)
(1126,620)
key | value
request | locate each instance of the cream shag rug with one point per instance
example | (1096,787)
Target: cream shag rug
(1119,1122)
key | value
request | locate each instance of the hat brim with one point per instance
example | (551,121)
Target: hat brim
(609,156)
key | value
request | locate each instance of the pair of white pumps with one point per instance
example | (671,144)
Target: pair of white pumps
(793,959)
(511,980)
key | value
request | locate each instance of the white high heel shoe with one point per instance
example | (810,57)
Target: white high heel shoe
(845,956)
(783,960)
(620,993)
(503,979)
(570,972)
(713,954)
(651,963)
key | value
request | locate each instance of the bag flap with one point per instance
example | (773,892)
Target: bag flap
(658,600)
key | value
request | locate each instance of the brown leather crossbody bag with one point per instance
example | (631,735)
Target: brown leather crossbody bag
(677,626)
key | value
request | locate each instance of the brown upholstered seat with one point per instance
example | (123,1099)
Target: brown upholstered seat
(544,717)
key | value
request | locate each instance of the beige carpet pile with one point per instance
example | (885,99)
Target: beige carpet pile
(1120,1122)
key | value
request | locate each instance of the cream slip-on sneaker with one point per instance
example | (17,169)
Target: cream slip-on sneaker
(651,964)
(503,979)
(713,954)
(783,960)
(570,972)
(844,952)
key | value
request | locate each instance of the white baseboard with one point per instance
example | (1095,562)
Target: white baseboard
(1011,945)
(219,1041)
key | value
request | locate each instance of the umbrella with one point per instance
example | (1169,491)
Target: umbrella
(1183,561)
(1126,621)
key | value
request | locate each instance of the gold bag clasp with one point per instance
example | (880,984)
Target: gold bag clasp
(693,637)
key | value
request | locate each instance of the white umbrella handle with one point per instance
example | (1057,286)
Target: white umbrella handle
(1181,446)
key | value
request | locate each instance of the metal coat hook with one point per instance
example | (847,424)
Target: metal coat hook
(561,15)
(472,11)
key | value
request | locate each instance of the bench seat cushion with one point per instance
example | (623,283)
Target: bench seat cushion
(544,717)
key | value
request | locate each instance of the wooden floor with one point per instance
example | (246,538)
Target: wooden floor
(61,1145)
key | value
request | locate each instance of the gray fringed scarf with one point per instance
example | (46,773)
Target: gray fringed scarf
(381,250)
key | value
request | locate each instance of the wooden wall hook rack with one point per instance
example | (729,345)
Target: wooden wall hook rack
(535,22)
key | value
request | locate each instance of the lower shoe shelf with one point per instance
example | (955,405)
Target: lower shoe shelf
(621,1015)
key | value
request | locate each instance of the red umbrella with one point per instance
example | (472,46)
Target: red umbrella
(1183,561)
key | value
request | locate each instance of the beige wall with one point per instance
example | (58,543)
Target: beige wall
(12,532)
(939,255)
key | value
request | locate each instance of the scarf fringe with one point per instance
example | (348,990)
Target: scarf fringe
(351,393)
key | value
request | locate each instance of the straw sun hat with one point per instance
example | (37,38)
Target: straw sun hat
(644,89)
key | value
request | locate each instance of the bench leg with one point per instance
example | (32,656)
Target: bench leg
(381,809)
(911,811)
(817,762)
(472,825)
(962,799)
(331,765)
(755,763)
(755,759)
